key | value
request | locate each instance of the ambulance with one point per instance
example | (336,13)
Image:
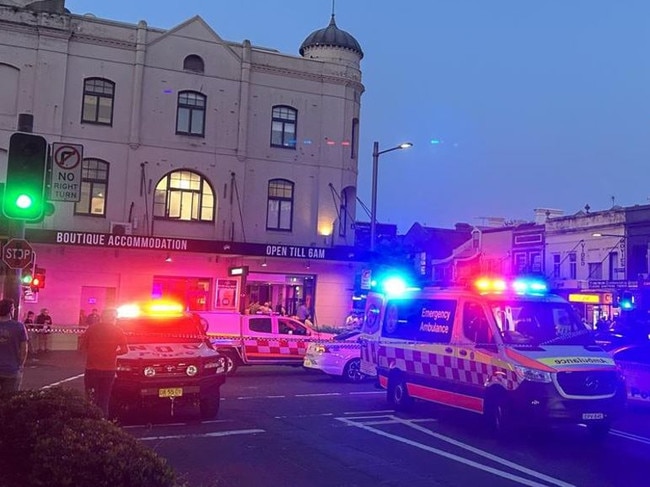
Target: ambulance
(506,349)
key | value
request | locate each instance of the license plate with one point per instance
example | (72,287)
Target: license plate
(170,392)
(593,416)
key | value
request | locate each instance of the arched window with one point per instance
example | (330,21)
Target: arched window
(190,113)
(279,210)
(98,98)
(193,63)
(184,195)
(94,185)
(284,127)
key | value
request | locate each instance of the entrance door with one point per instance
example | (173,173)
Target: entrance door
(96,297)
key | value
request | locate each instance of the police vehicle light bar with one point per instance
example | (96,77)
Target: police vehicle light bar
(485,285)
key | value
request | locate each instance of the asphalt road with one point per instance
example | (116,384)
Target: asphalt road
(283,426)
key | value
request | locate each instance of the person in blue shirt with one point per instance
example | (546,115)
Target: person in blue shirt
(13,348)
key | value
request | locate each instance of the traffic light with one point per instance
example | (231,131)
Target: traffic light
(24,194)
(626,300)
(38,281)
(27,278)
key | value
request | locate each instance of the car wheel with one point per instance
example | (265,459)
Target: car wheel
(209,405)
(398,394)
(352,371)
(600,429)
(232,362)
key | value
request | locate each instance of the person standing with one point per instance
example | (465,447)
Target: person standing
(13,348)
(302,312)
(28,321)
(102,342)
(43,327)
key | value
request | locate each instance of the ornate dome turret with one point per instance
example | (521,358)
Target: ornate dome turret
(333,37)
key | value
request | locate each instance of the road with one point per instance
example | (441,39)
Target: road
(283,426)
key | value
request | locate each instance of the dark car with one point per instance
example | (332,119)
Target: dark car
(625,332)
(634,361)
(170,364)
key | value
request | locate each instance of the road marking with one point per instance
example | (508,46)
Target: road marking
(630,436)
(319,395)
(382,411)
(202,435)
(457,458)
(359,393)
(54,384)
(315,415)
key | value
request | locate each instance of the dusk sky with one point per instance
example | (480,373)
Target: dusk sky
(511,105)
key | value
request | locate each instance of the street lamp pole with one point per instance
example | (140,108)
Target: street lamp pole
(375,166)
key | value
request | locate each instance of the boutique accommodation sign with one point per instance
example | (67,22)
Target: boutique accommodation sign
(147,242)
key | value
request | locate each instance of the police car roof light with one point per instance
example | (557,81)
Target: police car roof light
(158,308)
(519,286)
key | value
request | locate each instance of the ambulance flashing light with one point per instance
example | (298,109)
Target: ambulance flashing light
(393,286)
(157,308)
(533,286)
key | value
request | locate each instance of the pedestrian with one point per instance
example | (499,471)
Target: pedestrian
(43,327)
(302,312)
(28,321)
(102,342)
(13,348)
(93,317)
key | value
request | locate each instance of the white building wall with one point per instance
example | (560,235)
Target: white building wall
(45,57)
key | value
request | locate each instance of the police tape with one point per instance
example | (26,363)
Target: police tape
(229,340)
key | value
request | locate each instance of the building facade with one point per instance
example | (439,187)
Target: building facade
(196,155)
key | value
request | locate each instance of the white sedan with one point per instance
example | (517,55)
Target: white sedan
(340,357)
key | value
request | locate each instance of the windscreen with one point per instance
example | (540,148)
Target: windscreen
(181,329)
(539,323)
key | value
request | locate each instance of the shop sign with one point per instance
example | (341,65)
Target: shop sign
(585,298)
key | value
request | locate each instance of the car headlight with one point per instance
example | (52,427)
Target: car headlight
(320,349)
(533,375)
(192,370)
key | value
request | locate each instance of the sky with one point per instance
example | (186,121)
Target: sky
(511,105)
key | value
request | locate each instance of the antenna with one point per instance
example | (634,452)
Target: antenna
(333,7)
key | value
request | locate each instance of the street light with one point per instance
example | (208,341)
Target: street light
(375,165)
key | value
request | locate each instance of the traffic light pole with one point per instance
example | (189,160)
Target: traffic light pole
(16,229)
(13,277)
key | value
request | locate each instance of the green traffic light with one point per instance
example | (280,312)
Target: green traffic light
(23,201)
(27,279)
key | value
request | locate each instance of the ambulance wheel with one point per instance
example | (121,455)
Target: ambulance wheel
(398,394)
(499,415)
(352,371)
(209,406)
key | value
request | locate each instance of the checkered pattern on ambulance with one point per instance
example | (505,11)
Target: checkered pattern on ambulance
(438,365)
(275,348)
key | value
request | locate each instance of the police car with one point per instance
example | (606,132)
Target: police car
(170,363)
(508,350)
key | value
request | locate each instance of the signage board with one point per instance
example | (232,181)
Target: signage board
(66,172)
(17,253)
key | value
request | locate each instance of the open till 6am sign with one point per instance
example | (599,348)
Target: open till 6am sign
(66,172)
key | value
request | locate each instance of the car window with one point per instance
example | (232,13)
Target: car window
(291,327)
(180,329)
(475,324)
(261,325)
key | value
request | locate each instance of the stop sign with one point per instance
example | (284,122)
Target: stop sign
(17,253)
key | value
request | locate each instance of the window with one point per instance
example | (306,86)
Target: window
(354,146)
(283,127)
(190,114)
(475,324)
(98,100)
(184,195)
(556,265)
(291,327)
(260,325)
(94,182)
(193,63)
(279,211)
(595,270)
(573,266)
